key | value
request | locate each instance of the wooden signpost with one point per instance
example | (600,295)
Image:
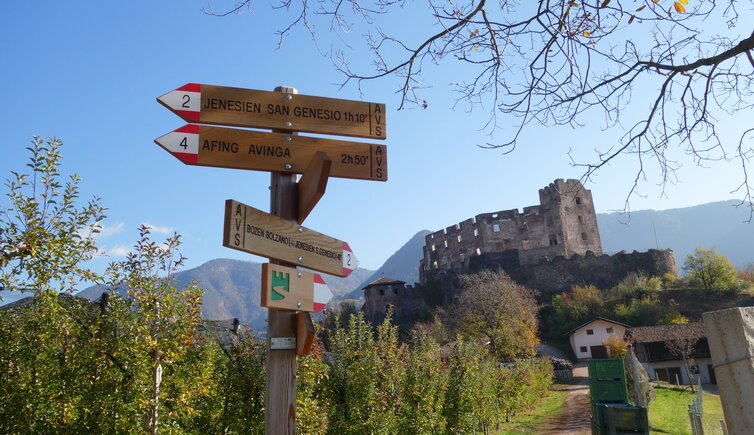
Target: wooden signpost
(256,232)
(286,288)
(220,105)
(288,293)
(204,145)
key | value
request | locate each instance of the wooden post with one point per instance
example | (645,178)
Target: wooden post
(280,397)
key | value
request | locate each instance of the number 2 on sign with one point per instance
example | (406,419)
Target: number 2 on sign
(348,259)
(186,99)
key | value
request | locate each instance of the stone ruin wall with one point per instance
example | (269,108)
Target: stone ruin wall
(564,223)
(604,271)
(549,277)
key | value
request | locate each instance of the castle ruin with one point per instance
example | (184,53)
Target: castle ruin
(564,223)
(549,247)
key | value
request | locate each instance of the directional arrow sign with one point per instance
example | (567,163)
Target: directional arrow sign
(286,288)
(250,230)
(204,145)
(208,104)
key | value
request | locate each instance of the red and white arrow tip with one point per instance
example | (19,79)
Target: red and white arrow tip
(322,293)
(184,101)
(350,262)
(182,142)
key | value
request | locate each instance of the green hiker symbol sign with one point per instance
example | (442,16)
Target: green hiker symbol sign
(281,282)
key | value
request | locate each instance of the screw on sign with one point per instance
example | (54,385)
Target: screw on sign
(209,104)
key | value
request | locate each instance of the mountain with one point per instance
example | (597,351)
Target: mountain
(403,265)
(232,289)
(719,224)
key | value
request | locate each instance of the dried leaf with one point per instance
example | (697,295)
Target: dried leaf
(474,33)
(640,8)
(474,49)
(631,20)
(679,7)
(656,1)
(587,34)
(607,2)
(573,4)
(684,1)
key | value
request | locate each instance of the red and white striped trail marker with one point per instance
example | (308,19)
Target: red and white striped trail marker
(322,293)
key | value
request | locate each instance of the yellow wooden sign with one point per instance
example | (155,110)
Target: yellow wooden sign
(208,104)
(204,145)
(254,231)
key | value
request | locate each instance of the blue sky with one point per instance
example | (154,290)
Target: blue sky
(89,72)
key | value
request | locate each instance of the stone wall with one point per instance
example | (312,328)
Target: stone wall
(549,277)
(560,273)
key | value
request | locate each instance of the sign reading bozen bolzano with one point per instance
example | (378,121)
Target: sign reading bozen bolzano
(208,104)
(254,231)
(204,145)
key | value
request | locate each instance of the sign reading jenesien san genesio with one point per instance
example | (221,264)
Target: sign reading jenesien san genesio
(209,104)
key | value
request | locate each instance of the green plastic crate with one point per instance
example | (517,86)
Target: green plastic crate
(607,369)
(607,381)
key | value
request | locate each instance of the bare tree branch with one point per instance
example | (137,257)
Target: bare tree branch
(662,75)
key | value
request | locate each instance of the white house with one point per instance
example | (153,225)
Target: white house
(588,340)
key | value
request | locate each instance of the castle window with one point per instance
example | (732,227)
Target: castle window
(476,232)
(446,243)
(463,257)
(382,292)
(458,226)
(433,248)
(578,200)
(494,216)
(478,251)
(434,264)
(395,291)
(525,244)
(581,219)
(459,238)
(553,240)
(496,228)
(549,221)
(584,237)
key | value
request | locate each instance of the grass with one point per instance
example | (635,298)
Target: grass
(668,414)
(528,423)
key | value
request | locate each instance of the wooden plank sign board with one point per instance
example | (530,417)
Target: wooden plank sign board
(256,232)
(203,145)
(286,288)
(209,104)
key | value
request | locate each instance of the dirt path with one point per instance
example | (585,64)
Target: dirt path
(574,419)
